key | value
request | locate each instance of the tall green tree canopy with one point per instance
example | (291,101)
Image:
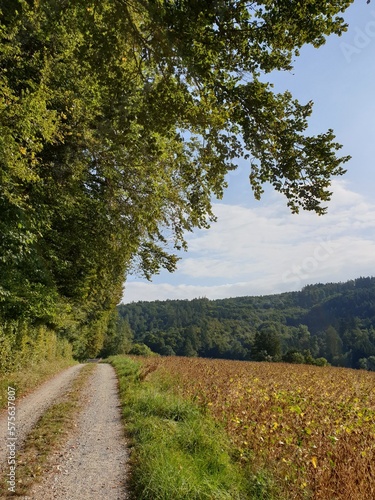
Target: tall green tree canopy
(119,120)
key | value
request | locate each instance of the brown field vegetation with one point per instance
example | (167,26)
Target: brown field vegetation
(313,428)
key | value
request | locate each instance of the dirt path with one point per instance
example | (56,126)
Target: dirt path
(31,407)
(93,463)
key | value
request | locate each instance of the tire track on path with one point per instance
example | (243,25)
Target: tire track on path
(93,462)
(31,407)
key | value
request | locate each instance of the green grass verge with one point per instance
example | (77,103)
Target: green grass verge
(30,377)
(49,433)
(178,453)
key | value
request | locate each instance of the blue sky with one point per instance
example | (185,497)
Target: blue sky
(259,247)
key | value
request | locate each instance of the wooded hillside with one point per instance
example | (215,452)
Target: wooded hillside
(335,321)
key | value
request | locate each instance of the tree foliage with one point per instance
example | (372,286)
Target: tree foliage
(118,122)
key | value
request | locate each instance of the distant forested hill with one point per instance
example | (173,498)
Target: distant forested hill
(335,321)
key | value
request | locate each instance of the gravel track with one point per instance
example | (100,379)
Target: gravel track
(31,407)
(93,462)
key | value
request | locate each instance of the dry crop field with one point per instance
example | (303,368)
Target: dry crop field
(313,428)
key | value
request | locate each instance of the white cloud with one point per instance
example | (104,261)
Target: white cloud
(263,250)
(135,291)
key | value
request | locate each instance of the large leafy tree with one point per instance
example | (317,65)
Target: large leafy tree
(120,119)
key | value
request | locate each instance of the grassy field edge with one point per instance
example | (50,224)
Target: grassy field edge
(178,452)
